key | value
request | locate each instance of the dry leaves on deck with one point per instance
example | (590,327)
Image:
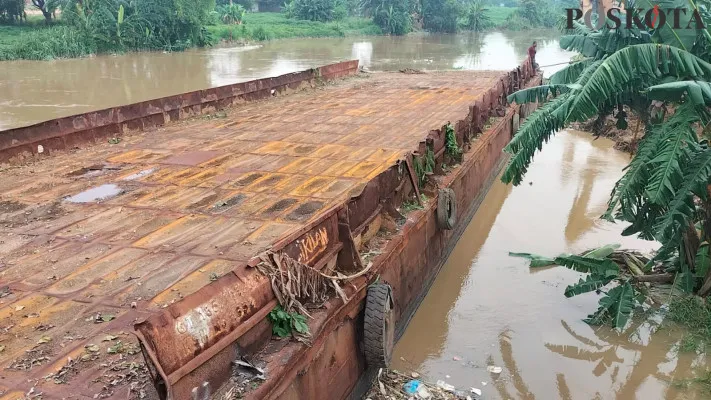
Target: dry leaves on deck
(295,283)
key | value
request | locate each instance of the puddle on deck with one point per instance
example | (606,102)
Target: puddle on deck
(488,308)
(98,193)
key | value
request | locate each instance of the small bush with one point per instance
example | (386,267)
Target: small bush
(317,10)
(231,14)
(516,23)
(477,17)
(440,15)
(259,33)
(278,26)
(393,20)
(285,323)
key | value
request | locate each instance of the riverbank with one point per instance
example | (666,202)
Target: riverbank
(35,40)
(626,140)
(270,26)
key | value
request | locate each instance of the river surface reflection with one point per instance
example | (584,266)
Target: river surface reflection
(487,308)
(35,91)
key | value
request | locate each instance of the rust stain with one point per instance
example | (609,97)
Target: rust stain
(206,197)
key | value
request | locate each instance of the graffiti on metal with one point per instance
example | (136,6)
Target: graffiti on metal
(197,323)
(312,245)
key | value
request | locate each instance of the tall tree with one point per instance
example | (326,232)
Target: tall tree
(47,7)
(440,15)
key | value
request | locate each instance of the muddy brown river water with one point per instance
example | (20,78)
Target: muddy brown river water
(486,308)
(35,91)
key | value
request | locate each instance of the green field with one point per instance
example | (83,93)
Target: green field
(498,15)
(269,26)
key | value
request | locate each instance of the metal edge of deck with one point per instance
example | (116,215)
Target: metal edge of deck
(184,353)
(45,138)
(301,364)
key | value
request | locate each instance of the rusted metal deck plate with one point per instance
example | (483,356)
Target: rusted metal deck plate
(79,266)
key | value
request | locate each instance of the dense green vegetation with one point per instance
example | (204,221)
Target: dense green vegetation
(92,26)
(499,15)
(74,28)
(316,10)
(269,26)
(11,10)
(661,76)
(394,17)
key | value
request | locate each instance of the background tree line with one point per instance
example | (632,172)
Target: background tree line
(75,28)
(398,17)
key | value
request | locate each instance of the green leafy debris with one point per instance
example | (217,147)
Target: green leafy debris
(536,260)
(285,323)
(617,305)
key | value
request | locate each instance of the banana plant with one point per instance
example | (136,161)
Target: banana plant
(664,191)
(619,297)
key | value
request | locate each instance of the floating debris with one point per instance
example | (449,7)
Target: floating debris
(494,369)
(391,384)
(411,71)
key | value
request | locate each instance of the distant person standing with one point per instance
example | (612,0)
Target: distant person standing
(532,55)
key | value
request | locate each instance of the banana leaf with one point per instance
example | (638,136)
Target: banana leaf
(588,265)
(602,252)
(699,92)
(682,37)
(617,305)
(535,260)
(590,283)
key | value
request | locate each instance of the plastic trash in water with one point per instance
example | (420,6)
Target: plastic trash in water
(423,393)
(476,391)
(412,386)
(445,386)
(494,369)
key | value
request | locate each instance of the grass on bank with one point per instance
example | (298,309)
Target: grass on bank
(270,26)
(47,43)
(694,314)
(35,40)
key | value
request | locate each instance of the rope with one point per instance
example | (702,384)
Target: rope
(566,62)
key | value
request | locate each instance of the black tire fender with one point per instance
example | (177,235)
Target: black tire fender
(446,209)
(378,326)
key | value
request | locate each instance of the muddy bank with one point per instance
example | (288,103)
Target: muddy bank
(626,140)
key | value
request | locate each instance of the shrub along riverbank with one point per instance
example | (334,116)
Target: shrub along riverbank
(270,26)
(36,41)
(75,29)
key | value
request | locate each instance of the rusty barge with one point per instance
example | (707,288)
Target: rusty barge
(147,221)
